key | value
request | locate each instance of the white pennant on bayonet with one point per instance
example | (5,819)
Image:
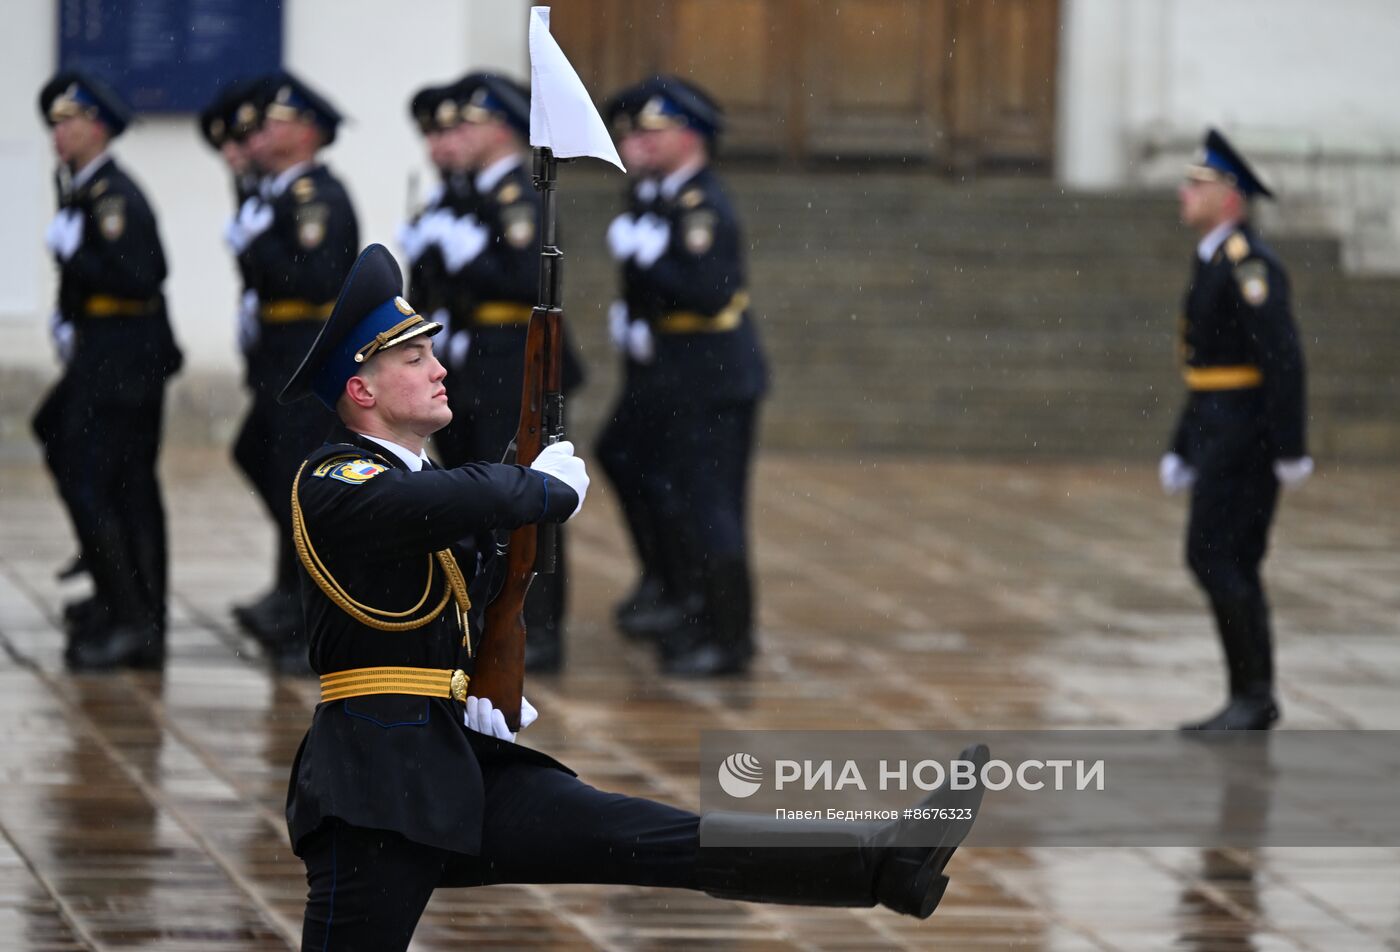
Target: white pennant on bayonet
(562,115)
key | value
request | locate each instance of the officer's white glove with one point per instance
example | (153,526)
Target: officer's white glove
(254,217)
(651,235)
(248,327)
(1293,473)
(617,325)
(483,718)
(65,233)
(62,334)
(622,237)
(411,240)
(1175,474)
(640,345)
(441,341)
(433,226)
(558,460)
(458,347)
(463,242)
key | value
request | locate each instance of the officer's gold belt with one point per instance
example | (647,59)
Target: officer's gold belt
(688,322)
(1236,377)
(421,682)
(501,313)
(105,305)
(294,309)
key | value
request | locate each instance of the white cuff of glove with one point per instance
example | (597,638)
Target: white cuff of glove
(248,328)
(462,243)
(617,325)
(65,233)
(1293,473)
(652,235)
(62,334)
(640,344)
(411,240)
(558,460)
(622,237)
(458,346)
(1174,474)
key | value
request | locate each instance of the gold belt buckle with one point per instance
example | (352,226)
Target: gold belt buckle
(458,685)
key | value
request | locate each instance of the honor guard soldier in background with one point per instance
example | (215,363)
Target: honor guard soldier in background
(684,276)
(630,444)
(490,254)
(405,781)
(1242,433)
(101,423)
(226,124)
(295,243)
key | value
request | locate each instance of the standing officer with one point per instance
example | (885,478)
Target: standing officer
(491,257)
(295,243)
(404,781)
(1243,430)
(685,278)
(630,444)
(101,423)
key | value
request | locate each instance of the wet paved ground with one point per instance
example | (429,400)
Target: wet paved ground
(145,812)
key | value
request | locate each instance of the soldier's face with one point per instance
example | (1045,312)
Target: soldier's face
(633,153)
(78,139)
(1205,204)
(440,151)
(407,383)
(666,150)
(235,156)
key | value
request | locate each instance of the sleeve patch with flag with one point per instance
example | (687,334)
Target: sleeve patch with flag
(352,471)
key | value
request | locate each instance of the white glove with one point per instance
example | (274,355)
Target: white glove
(434,226)
(458,347)
(411,240)
(1293,473)
(254,217)
(639,342)
(617,325)
(62,334)
(463,242)
(651,236)
(622,237)
(65,233)
(441,341)
(483,718)
(558,460)
(248,327)
(1175,474)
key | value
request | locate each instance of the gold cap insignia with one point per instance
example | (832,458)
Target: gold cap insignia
(403,306)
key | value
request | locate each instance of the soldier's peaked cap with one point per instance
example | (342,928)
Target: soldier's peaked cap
(486,96)
(284,96)
(76,93)
(370,316)
(672,101)
(1219,161)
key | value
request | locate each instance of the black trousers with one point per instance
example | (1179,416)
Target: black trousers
(368,888)
(102,448)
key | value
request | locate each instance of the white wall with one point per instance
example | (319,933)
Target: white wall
(366,56)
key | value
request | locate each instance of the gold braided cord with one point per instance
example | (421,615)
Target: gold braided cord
(455,587)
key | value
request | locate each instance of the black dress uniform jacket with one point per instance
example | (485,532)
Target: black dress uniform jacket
(700,273)
(1238,314)
(110,290)
(430,287)
(396,762)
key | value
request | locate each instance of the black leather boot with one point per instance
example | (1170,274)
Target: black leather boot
(720,641)
(120,646)
(839,864)
(1247,641)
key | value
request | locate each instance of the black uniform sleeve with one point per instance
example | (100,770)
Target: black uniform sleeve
(309,248)
(120,253)
(1273,338)
(398,512)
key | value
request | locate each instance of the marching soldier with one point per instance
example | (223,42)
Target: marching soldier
(295,242)
(490,254)
(1242,433)
(405,781)
(684,277)
(101,424)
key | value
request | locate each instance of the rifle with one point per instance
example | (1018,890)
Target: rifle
(500,662)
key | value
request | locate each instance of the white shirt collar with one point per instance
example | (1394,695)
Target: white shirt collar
(414,463)
(81,177)
(276,186)
(1211,243)
(487,178)
(672,183)
(646,189)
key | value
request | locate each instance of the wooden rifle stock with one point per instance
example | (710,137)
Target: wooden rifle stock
(500,662)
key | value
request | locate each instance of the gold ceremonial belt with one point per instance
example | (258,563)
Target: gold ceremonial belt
(104,305)
(422,682)
(688,322)
(500,313)
(1239,377)
(294,309)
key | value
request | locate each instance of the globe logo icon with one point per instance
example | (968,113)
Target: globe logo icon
(740,775)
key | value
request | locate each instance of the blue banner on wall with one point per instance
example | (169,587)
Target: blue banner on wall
(170,55)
